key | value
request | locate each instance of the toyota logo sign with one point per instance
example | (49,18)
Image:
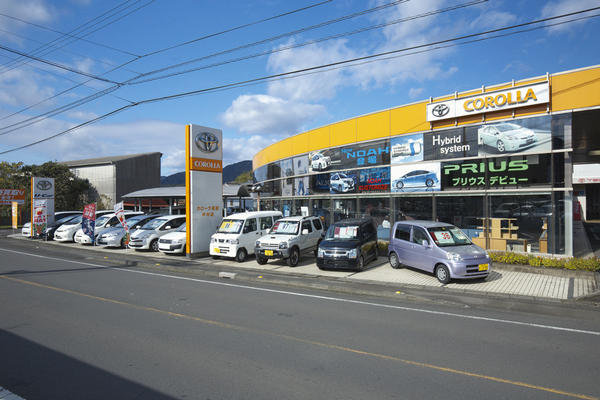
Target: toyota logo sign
(207,142)
(440,110)
(44,185)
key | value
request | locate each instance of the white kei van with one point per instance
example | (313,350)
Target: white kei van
(237,233)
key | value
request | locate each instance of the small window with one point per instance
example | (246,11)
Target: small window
(250,225)
(403,232)
(318,225)
(419,235)
(265,223)
(306,225)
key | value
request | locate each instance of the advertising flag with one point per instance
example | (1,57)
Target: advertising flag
(15,214)
(89,220)
(121,216)
(39,216)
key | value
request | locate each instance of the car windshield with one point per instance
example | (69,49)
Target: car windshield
(507,127)
(76,220)
(102,220)
(446,236)
(67,219)
(131,222)
(231,226)
(285,227)
(154,224)
(181,228)
(342,233)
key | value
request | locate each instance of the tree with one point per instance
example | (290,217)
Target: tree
(244,177)
(69,190)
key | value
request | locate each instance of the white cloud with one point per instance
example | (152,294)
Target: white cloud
(415,92)
(268,115)
(555,8)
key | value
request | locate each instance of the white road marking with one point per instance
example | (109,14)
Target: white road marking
(557,328)
(6,395)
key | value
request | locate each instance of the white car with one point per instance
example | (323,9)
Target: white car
(173,242)
(341,183)
(506,137)
(102,224)
(115,237)
(26,229)
(66,232)
(146,238)
(320,162)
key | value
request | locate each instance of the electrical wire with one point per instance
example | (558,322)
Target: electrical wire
(297,73)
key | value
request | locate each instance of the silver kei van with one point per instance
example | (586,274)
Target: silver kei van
(438,248)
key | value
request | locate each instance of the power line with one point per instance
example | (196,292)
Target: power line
(296,73)
(93,97)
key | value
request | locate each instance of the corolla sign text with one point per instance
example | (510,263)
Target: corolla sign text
(515,97)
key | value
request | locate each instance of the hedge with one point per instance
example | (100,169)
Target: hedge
(582,264)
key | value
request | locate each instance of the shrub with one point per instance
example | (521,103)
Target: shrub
(581,264)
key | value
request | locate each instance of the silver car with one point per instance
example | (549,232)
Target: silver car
(506,137)
(438,248)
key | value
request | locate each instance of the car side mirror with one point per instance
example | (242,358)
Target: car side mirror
(427,244)
(268,231)
(167,227)
(305,231)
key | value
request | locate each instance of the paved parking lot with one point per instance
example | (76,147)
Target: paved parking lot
(503,280)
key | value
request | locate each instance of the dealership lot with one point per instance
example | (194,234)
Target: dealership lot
(503,282)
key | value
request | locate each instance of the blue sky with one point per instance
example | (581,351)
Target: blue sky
(66,63)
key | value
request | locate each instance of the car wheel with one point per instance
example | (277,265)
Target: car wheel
(500,146)
(154,245)
(292,261)
(261,261)
(216,257)
(241,255)
(361,264)
(339,188)
(399,184)
(429,182)
(442,274)
(394,261)
(123,245)
(317,248)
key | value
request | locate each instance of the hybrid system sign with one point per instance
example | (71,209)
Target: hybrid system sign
(523,96)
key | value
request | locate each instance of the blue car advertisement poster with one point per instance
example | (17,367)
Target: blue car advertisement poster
(407,149)
(343,182)
(365,155)
(421,177)
(374,180)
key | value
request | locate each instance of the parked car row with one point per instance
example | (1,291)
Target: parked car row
(439,248)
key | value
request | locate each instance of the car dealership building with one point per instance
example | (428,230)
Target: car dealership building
(513,165)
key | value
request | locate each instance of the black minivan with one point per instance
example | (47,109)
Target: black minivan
(348,244)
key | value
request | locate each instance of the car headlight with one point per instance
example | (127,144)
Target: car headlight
(454,256)
(111,235)
(283,245)
(352,253)
(213,240)
(178,241)
(257,244)
(511,137)
(487,254)
(234,241)
(321,252)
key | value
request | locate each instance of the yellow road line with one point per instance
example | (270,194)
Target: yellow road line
(239,328)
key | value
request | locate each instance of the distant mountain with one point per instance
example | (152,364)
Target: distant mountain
(230,172)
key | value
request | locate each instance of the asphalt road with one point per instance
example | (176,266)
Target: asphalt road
(72,328)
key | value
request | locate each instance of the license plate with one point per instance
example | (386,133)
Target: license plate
(268,252)
(217,250)
(483,267)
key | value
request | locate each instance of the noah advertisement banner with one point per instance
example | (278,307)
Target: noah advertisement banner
(204,186)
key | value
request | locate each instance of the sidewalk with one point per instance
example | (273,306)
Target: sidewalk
(504,281)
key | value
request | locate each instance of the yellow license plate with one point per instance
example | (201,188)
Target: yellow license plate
(483,267)
(217,250)
(268,252)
